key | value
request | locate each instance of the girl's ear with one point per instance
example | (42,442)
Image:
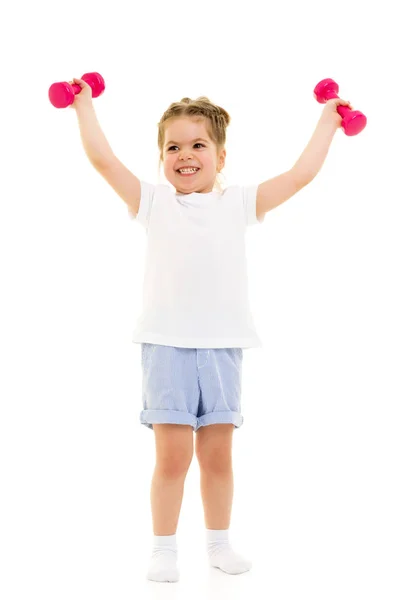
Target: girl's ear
(222,158)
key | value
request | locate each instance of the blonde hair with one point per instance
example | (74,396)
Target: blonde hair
(215,117)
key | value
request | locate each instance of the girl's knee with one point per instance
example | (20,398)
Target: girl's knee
(174,449)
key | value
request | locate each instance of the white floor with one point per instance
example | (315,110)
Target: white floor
(198,580)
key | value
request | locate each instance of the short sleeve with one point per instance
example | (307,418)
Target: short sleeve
(249,194)
(146,203)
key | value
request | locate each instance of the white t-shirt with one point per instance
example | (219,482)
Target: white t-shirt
(195,289)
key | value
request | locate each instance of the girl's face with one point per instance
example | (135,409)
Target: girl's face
(183,148)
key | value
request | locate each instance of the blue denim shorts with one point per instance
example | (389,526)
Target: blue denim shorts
(191,386)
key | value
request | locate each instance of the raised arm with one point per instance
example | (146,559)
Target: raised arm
(100,154)
(275,191)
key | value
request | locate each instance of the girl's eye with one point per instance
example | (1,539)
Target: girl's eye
(198,144)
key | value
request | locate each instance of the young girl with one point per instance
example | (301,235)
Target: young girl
(196,318)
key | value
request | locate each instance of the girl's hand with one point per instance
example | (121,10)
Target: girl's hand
(84,97)
(330,114)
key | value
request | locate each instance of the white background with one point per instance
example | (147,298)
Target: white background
(316,461)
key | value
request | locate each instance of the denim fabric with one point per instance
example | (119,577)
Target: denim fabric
(191,386)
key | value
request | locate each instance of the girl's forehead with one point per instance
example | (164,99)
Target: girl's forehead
(187,125)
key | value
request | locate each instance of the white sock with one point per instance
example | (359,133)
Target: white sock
(222,556)
(163,562)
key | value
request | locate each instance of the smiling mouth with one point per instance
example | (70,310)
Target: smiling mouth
(188,174)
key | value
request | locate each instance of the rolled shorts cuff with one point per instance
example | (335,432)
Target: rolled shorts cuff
(174,417)
(225,416)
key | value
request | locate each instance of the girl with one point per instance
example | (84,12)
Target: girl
(196,318)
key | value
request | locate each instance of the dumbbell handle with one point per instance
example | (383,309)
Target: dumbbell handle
(76,88)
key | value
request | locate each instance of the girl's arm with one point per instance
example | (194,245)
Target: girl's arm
(100,153)
(275,191)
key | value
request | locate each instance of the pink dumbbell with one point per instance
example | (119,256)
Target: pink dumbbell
(353,121)
(62,94)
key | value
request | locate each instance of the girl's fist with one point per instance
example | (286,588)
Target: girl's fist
(85,95)
(330,113)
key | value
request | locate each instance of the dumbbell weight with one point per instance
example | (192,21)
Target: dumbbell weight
(62,94)
(353,121)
